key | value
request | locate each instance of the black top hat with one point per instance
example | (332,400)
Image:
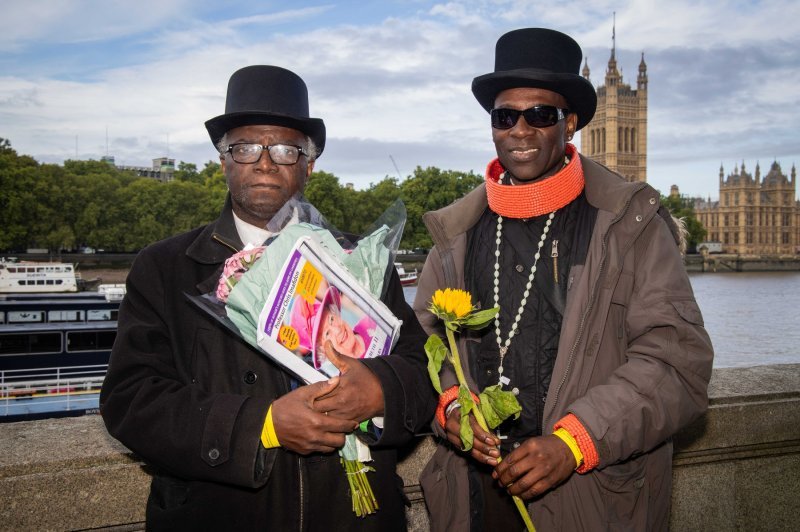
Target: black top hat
(539,58)
(267,95)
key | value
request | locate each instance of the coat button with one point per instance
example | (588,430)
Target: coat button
(652,201)
(520,268)
(213,454)
(249,377)
(639,218)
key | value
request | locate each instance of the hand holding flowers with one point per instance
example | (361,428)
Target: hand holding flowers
(454,307)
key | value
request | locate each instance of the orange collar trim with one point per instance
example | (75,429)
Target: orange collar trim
(538,198)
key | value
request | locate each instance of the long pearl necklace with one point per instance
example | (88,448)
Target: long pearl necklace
(503,346)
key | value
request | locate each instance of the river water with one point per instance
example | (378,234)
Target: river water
(753,318)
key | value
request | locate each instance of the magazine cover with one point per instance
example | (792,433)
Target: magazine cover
(316,304)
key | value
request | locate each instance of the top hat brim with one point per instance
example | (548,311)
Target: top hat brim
(578,91)
(313,127)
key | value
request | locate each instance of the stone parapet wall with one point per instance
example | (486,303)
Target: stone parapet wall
(737,468)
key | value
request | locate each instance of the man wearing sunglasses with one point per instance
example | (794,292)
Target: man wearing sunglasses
(598,335)
(232,441)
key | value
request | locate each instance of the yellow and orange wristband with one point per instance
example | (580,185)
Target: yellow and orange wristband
(570,428)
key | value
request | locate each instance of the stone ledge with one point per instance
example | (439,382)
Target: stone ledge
(737,468)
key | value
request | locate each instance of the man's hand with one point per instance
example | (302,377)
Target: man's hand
(359,394)
(484,445)
(301,428)
(535,466)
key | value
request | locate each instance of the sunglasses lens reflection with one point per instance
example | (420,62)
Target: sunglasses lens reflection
(539,116)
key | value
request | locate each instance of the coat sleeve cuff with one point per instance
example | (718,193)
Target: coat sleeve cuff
(573,425)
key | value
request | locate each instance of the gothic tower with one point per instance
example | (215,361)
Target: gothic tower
(617,135)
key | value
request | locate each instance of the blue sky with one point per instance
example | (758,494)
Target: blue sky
(392,79)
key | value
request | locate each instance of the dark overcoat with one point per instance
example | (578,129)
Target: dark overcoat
(190,399)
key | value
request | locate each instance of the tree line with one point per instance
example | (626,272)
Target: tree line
(93,204)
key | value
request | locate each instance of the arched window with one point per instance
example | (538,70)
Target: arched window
(619,139)
(633,139)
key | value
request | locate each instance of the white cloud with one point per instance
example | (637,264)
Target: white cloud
(723,78)
(71,21)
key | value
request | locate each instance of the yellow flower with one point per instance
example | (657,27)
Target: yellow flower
(457,303)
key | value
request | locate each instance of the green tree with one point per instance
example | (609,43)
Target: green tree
(18,198)
(323,190)
(683,208)
(371,203)
(89,203)
(188,172)
(5,146)
(430,189)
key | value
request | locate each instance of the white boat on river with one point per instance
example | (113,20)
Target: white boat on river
(28,277)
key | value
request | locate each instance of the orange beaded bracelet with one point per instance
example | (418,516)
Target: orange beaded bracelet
(447,397)
(574,426)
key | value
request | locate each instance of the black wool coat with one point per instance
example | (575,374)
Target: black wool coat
(190,398)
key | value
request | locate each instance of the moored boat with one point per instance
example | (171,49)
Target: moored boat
(30,277)
(407,278)
(54,353)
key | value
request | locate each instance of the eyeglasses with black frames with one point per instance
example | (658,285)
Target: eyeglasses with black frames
(538,116)
(249,153)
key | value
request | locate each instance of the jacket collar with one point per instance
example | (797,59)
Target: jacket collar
(605,189)
(218,240)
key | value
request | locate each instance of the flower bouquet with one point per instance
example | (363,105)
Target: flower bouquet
(494,405)
(274,296)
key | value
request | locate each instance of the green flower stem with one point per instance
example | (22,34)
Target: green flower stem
(456,361)
(364,501)
(462,380)
(523,512)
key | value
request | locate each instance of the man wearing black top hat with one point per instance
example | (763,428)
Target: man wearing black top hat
(598,334)
(192,399)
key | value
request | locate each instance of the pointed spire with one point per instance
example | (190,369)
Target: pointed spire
(612,74)
(641,79)
(614,36)
(585,71)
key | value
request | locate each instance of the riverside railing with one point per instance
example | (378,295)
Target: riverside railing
(56,389)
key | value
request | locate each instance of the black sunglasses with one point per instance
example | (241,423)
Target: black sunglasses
(537,116)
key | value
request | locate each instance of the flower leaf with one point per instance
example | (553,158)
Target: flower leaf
(467,405)
(497,405)
(437,352)
(481,318)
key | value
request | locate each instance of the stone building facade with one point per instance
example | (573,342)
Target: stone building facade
(617,135)
(754,215)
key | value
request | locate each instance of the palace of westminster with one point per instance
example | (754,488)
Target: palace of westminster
(755,214)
